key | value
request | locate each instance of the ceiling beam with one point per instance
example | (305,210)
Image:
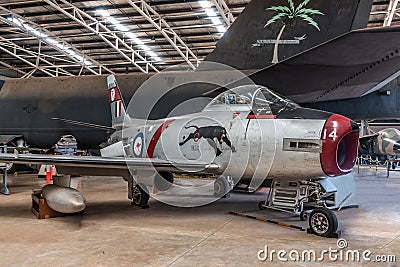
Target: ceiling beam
(188,13)
(101,30)
(392,8)
(166,30)
(224,11)
(16,51)
(40,33)
(21,58)
(12,67)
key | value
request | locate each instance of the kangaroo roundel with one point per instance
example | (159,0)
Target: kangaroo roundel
(138,143)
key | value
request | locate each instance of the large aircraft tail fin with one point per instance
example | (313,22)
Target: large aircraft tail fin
(118,108)
(287,27)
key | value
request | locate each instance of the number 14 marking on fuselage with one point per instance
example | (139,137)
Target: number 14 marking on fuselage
(331,135)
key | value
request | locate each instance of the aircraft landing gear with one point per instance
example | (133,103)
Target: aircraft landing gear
(323,222)
(138,193)
(140,196)
(306,199)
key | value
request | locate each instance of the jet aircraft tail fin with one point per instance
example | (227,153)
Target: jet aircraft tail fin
(117,104)
(280,29)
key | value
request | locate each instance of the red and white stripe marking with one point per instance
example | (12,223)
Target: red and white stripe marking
(118,108)
(114,95)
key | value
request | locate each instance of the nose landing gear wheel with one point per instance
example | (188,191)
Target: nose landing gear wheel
(323,222)
(140,196)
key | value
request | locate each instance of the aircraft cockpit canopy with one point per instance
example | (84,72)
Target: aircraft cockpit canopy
(390,133)
(267,97)
(251,96)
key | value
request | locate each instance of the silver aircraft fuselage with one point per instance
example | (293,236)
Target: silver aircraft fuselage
(264,137)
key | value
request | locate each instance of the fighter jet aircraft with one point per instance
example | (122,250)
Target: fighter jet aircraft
(247,132)
(330,67)
(385,142)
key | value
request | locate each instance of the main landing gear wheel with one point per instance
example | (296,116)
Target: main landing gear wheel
(221,187)
(140,196)
(323,222)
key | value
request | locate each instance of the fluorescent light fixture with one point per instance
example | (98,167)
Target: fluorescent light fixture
(210,12)
(51,41)
(206,5)
(104,13)
(154,56)
(221,29)
(145,48)
(15,21)
(215,20)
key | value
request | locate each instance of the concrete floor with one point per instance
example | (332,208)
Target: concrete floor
(113,233)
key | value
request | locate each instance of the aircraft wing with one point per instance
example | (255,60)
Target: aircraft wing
(368,137)
(352,65)
(349,66)
(6,138)
(89,165)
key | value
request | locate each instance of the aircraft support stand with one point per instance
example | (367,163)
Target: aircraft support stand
(294,198)
(4,189)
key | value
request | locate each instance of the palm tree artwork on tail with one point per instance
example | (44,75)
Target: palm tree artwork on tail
(287,15)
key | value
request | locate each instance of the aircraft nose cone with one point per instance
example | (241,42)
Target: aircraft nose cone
(339,145)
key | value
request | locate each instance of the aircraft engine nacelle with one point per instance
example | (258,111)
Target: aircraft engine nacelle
(163,180)
(339,145)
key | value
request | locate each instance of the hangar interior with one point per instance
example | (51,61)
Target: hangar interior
(117,36)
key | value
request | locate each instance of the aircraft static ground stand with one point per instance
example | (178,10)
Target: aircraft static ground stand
(4,189)
(309,200)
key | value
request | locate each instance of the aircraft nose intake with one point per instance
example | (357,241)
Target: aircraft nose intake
(339,145)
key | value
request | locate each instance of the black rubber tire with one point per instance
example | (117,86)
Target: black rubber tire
(142,198)
(303,216)
(221,187)
(394,165)
(261,205)
(323,222)
(163,181)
